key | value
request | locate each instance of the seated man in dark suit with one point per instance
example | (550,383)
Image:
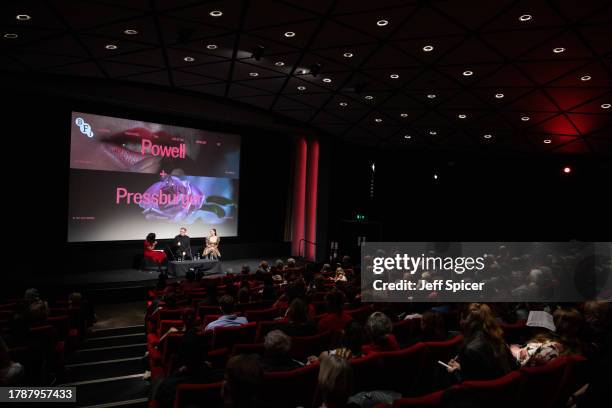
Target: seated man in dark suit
(182,244)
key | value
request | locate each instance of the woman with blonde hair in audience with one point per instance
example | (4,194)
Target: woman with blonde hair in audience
(335,382)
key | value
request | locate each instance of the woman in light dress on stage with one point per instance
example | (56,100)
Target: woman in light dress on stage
(212,245)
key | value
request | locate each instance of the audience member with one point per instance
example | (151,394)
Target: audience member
(276,356)
(243,382)
(335,382)
(336,318)
(226,303)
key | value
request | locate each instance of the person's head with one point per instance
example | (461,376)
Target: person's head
(246,269)
(277,343)
(290,263)
(335,382)
(212,232)
(280,264)
(244,296)
(354,337)
(263,265)
(226,303)
(243,381)
(151,237)
(568,322)
(31,295)
(38,311)
(478,318)
(75,299)
(598,314)
(432,325)
(183,231)
(188,316)
(298,311)
(379,327)
(334,301)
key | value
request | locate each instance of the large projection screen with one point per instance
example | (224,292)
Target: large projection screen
(129,178)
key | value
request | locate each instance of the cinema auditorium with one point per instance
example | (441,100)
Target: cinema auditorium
(214,186)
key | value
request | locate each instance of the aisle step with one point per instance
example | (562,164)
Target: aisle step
(105,353)
(103,369)
(114,340)
(111,390)
(116,331)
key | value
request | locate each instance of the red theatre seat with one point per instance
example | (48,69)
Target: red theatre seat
(255,348)
(400,369)
(515,333)
(302,347)
(228,336)
(441,350)
(428,401)
(195,394)
(264,327)
(366,372)
(291,388)
(500,393)
(263,314)
(540,385)
(576,375)
(361,314)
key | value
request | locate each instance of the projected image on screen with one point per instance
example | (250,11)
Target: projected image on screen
(129,178)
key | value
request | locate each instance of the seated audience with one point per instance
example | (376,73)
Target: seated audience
(226,303)
(569,324)
(243,382)
(354,337)
(336,318)
(380,328)
(544,345)
(335,383)
(11,373)
(276,356)
(433,327)
(299,323)
(484,355)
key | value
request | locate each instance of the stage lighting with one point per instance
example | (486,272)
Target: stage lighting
(315,69)
(258,52)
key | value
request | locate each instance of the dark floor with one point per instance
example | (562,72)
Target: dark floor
(120,315)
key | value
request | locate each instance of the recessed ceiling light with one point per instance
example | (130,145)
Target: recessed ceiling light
(431,96)
(382,23)
(547,141)
(499,95)
(462,116)
(369,97)
(428,48)
(301,88)
(348,55)
(327,80)
(468,73)
(525,118)
(525,17)
(216,13)
(435,176)
(343,104)
(23,17)
(110,47)
(558,50)
(377,120)
(212,46)
(253,74)
(129,31)
(279,63)
(487,136)
(394,76)
(404,115)
(289,34)
(407,137)
(605,105)
(433,132)
(10,36)
(189,59)
(585,78)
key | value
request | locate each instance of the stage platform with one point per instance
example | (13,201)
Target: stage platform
(118,284)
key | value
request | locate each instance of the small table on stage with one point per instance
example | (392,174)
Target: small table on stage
(180,268)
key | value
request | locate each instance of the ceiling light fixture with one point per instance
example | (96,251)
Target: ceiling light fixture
(382,23)
(216,13)
(253,74)
(428,48)
(23,17)
(487,136)
(468,73)
(110,47)
(547,141)
(525,118)
(377,120)
(189,59)
(585,78)
(605,105)
(369,97)
(431,96)
(10,36)
(327,80)
(525,17)
(289,34)
(407,137)
(404,115)
(343,104)
(394,76)
(130,31)
(279,63)
(301,88)
(212,46)
(348,55)
(499,95)
(433,132)
(462,116)
(558,50)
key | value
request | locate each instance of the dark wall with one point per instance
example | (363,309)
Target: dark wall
(477,197)
(37,143)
